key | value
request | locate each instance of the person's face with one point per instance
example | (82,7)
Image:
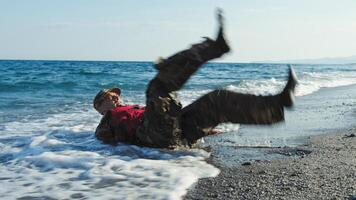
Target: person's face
(110,101)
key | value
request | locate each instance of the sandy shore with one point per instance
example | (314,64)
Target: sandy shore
(325,168)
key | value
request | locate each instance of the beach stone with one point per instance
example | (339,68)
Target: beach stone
(352,197)
(246,163)
(350,135)
(214,195)
(77,196)
(294,174)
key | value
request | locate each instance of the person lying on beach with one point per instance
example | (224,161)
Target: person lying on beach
(163,123)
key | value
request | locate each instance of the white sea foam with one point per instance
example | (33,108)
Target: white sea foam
(93,175)
(258,87)
(311,82)
(308,83)
(188,96)
(62,159)
(74,122)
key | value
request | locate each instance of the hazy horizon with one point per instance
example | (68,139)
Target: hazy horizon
(328,60)
(140,30)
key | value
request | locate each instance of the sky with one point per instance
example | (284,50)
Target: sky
(143,30)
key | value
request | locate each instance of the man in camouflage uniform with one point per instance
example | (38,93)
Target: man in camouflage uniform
(163,123)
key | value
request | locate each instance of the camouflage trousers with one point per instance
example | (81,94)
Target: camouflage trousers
(166,124)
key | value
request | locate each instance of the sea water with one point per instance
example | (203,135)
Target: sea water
(47,144)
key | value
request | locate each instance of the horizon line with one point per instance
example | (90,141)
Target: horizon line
(292,62)
(77,60)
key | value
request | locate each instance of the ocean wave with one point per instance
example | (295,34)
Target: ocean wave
(311,82)
(93,73)
(308,83)
(35,85)
(50,147)
(258,87)
(59,174)
(67,158)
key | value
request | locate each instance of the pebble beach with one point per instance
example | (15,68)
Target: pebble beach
(326,170)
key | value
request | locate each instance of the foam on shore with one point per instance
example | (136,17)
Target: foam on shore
(64,160)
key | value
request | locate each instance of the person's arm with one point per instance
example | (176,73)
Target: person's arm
(104,132)
(123,133)
(112,133)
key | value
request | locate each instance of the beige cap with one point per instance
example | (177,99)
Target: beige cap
(101,95)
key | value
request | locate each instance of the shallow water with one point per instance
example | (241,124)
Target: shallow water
(325,111)
(47,143)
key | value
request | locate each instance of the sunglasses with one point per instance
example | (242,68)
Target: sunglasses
(111,97)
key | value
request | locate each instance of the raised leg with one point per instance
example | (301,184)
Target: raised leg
(174,71)
(227,106)
(161,125)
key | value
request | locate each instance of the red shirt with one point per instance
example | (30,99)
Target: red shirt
(120,124)
(131,116)
(128,116)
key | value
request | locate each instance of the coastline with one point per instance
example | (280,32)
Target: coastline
(326,171)
(48,127)
(320,163)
